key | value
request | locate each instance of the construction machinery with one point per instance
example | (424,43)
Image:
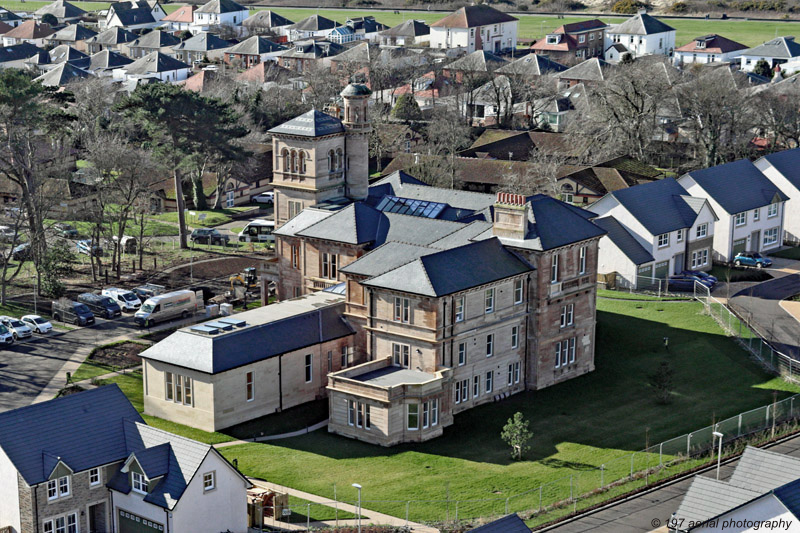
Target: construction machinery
(248,279)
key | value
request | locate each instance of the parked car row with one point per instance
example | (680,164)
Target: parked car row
(685,281)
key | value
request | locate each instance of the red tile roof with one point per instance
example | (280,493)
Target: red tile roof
(567,43)
(184,14)
(30,30)
(578,27)
(715,44)
(473,16)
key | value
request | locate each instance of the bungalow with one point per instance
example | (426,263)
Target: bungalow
(309,27)
(218,13)
(590,72)
(783,170)
(61,75)
(491,103)
(111,39)
(74,35)
(475,27)
(10,18)
(248,365)
(640,35)
(29,32)
(775,52)
(750,207)
(202,47)
(133,15)
(253,50)
(366,28)
(15,56)
(711,48)
(154,66)
(62,10)
(266,22)
(476,63)
(116,473)
(307,54)
(529,67)
(644,246)
(585,184)
(408,33)
(154,41)
(179,20)
(103,63)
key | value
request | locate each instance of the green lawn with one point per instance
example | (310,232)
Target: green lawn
(293,419)
(316,511)
(789,253)
(213,218)
(152,228)
(723,273)
(623,295)
(577,425)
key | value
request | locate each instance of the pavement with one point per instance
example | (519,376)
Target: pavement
(651,510)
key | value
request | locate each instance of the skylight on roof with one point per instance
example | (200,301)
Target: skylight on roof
(408,206)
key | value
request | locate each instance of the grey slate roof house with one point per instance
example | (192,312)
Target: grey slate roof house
(253,50)
(406,33)
(750,207)
(10,18)
(783,170)
(73,35)
(108,468)
(201,47)
(155,65)
(102,63)
(133,14)
(641,35)
(775,52)
(266,21)
(16,56)
(312,26)
(154,41)
(764,484)
(526,67)
(110,39)
(590,72)
(62,10)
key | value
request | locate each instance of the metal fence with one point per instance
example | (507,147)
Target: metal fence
(646,285)
(748,335)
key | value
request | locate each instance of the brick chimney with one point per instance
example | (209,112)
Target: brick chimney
(511,213)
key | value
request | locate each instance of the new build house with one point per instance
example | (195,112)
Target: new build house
(783,170)
(749,206)
(88,462)
(654,230)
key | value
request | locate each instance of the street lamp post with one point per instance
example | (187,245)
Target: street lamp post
(718,435)
(356,485)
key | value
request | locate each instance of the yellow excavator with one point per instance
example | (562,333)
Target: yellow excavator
(248,279)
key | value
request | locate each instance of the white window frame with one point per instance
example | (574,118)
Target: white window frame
(572,350)
(330,264)
(409,415)
(434,412)
(488,301)
(64,486)
(772,238)
(772,210)
(679,235)
(663,240)
(567,315)
(402,310)
(138,483)
(515,336)
(209,481)
(351,413)
(462,353)
(516,372)
(250,386)
(52,490)
(756,215)
(94,477)
(401,354)
(554,269)
(490,345)
(558,354)
(169,384)
(702,230)
(489,383)
(460,306)
(309,368)
(345,356)
(476,386)
(740,219)
(187,391)
(518,291)
(582,260)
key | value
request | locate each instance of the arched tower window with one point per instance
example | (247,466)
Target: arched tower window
(339,159)
(331,161)
(294,161)
(302,162)
(286,161)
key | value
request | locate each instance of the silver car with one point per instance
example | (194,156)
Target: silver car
(17,327)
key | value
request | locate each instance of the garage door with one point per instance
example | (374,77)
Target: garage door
(130,523)
(662,270)
(739,246)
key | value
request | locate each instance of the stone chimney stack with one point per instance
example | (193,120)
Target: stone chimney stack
(511,214)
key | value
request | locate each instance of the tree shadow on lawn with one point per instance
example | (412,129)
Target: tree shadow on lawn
(610,410)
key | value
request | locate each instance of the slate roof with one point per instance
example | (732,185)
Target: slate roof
(135,16)
(255,45)
(257,342)
(312,49)
(405,186)
(65,52)
(762,470)
(387,257)
(113,36)
(202,42)
(154,461)
(94,416)
(30,29)
(660,206)
(220,6)
(442,273)
(266,19)
(624,240)
(508,524)
(477,61)
(578,27)
(531,65)
(18,52)
(314,23)
(310,124)
(789,496)
(409,28)
(6,15)
(182,14)
(61,9)
(787,162)
(305,218)
(61,75)
(154,62)
(473,16)
(155,39)
(108,59)
(781,48)
(714,44)
(73,32)
(737,186)
(708,498)
(590,70)
(641,24)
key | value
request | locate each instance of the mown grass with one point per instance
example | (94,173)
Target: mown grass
(317,512)
(212,217)
(622,295)
(578,425)
(788,253)
(152,228)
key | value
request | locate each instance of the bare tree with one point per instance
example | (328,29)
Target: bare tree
(539,175)
(778,115)
(447,134)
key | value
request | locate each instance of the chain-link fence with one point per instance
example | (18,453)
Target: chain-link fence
(647,284)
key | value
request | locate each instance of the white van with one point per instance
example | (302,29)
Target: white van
(259,230)
(178,304)
(126,299)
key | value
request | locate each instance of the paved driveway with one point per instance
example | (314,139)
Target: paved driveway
(26,367)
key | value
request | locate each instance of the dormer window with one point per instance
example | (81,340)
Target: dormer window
(138,483)
(553,39)
(701,44)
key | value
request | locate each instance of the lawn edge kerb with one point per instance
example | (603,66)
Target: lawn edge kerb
(738,449)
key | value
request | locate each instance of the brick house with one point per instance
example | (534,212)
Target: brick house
(572,43)
(109,471)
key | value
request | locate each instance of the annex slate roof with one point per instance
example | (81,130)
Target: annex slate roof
(73,32)
(403,185)
(438,274)
(155,39)
(641,24)
(508,524)
(310,124)
(255,45)
(94,416)
(154,461)
(314,23)
(107,59)
(590,70)
(787,162)
(305,218)
(202,42)
(781,48)
(220,6)
(386,257)
(660,206)
(61,9)
(473,16)
(477,61)
(113,36)
(317,321)
(577,27)
(763,470)
(154,62)
(61,75)
(707,498)
(531,65)
(182,14)
(266,19)
(409,28)
(737,186)
(624,240)
(311,49)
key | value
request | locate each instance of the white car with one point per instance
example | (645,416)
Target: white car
(17,327)
(37,323)
(127,300)
(6,337)
(264,198)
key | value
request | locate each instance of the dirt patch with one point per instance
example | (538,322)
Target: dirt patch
(123,355)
